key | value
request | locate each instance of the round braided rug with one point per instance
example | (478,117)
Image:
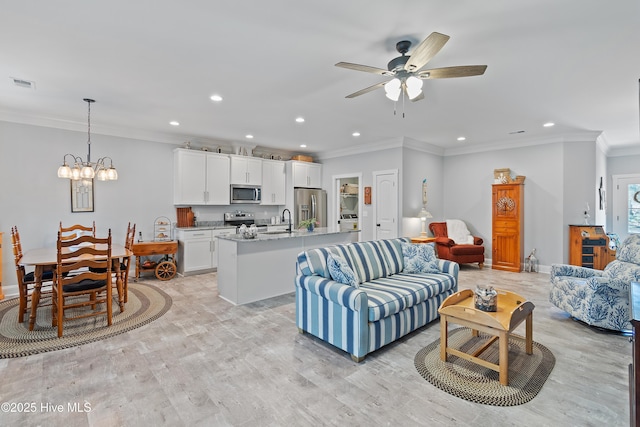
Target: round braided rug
(470,381)
(145,304)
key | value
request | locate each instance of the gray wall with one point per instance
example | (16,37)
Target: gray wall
(561,178)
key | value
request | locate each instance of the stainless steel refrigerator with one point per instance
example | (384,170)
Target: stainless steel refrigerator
(310,203)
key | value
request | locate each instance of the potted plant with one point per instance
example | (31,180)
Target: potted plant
(309,224)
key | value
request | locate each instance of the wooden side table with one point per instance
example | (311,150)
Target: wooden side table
(423,239)
(460,308)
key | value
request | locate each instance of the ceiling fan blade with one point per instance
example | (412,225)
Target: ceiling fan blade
(450,72)
(365,68)
(366,90)
(425,51)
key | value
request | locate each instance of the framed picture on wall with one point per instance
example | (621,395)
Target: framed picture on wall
(82,195)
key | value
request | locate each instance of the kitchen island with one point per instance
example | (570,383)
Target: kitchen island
(251,270)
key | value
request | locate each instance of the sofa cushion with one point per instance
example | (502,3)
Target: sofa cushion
(392,251)
(466,250)
(390,295)
(340,271)
(419,258)
(368,260)
(313,262)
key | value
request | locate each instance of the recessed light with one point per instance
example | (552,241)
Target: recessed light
(248,136)
(174,123)
(462,138)
(299,119)
(303,145)
(356,134)
(216,98)
(548,124)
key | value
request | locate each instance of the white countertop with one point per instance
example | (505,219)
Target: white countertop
(261,237)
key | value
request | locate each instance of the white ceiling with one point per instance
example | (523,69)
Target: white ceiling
(575,63)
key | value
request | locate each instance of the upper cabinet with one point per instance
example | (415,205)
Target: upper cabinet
(246,170)
(273,182)
(200,178)
(305,174)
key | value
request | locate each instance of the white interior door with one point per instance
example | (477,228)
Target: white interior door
(386,204)
(626,205)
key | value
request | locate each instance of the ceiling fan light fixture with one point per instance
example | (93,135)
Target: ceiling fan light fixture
(393,89)
(414,87)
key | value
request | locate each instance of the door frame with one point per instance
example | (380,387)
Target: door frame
(333,220)
(617,202)
(374,191)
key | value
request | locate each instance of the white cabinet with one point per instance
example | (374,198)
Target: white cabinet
(200,178)
(246,170)
(306,174)
(197,249)
(273,182)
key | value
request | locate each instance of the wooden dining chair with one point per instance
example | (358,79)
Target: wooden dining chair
(73,279)
(70,233)
(27,281)
(124,265)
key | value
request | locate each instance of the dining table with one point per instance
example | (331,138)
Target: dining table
(40,258)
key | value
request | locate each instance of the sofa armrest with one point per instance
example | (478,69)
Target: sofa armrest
(450,267)
(477,240)
(444,241)
(561,270)
(347,296)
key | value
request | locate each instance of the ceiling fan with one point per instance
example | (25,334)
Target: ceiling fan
(407,71)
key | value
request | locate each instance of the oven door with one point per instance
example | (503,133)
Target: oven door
(246,194)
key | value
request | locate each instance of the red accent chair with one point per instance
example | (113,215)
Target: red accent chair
(449,250)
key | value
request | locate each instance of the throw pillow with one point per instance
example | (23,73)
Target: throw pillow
(419,258)
(340,271)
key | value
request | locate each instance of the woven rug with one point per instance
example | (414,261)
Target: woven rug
(470,381)
(145,304)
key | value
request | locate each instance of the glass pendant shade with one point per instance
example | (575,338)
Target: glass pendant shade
(102,175)
(87,172)
(75,173)
(112,174)
(64,171)
(393,89)
(414,87)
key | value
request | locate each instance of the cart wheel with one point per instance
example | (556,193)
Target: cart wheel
(165,270)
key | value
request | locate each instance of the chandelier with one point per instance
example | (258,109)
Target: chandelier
(88,169)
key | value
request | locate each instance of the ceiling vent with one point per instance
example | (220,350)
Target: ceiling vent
(23,83)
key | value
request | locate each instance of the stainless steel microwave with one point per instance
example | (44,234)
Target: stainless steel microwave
(246,193)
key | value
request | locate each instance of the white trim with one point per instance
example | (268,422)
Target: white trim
(336,199)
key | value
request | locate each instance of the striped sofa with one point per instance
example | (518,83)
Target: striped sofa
(387,305)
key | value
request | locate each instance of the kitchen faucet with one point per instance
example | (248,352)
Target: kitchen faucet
(289,212)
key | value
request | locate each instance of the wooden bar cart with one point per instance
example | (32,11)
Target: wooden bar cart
(165,269)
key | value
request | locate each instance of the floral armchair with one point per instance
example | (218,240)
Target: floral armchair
(599,298)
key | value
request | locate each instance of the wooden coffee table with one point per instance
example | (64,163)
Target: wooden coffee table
(512,310)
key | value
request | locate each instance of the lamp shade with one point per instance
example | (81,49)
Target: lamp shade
(424,214)
(393,89)
(414,87)
(64,171)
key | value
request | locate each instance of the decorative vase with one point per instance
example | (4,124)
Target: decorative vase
(310,228)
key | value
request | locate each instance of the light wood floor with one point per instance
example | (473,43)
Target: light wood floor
(207,362)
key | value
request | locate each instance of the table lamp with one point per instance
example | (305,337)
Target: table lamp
(423,215)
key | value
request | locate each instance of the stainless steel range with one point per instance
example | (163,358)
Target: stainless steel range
(239,218)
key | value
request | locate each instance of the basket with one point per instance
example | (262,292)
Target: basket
(350,189)
(506,172)
(519,179)
(302,158)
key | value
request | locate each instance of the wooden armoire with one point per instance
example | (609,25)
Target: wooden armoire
(507,226)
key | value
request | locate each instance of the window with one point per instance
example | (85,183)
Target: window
(626,205)
(633,218)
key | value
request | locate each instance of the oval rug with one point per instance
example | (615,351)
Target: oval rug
(473,382)
(145,304)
